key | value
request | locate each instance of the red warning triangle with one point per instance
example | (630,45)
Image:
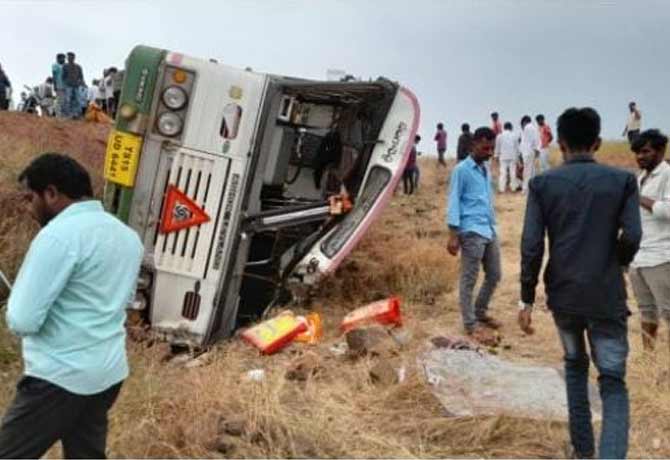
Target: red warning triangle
(180,212)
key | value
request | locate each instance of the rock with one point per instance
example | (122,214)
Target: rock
(200,361)
(235,427)
(303,367)
(486,337)
(339,349)
(373,339)
(255,375)
(383,373)
(401,336)
(453,343)
(180,359)
(656,443)
(222,444)
(441,342)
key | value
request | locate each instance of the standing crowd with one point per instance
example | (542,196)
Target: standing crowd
(520,155)
(601,223)
(516,153)
(64,93)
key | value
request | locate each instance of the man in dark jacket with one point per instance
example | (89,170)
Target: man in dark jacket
(464,143)
(590,213)
(4,86)
(73,78)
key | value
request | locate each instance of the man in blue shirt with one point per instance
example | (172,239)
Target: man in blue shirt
(590,213)
(68,306)
(472,229)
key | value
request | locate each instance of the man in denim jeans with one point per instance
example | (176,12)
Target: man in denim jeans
(591,215)
(472,229)
(73,79)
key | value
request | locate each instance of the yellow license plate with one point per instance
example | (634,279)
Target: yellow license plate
(122,158)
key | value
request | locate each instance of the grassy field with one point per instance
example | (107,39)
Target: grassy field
(167,410)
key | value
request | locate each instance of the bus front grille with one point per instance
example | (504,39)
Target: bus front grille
(185,251)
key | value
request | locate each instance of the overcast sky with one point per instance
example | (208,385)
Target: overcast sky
(462,58)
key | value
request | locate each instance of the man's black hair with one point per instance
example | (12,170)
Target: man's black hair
(578,129)
(494,115)
(539,118)
(71,53)
(60,56)
(525,119)
(417,138)
(484,133)
(508,126)
(64,173)
(440,126)
(465,127)
(656,140)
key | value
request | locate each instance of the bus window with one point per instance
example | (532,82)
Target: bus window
(230,124)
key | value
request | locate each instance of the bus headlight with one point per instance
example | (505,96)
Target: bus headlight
(169,124)
(174,97)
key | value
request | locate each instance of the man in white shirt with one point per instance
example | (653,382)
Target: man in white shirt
(93,92)
(634,124)
(507,153)
(650,270)
(102,91)
(109,91)
(46,95)
(530,150)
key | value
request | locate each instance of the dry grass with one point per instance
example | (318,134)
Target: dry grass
(168,411)
(611,153)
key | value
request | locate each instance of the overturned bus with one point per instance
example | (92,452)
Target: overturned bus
(244,186)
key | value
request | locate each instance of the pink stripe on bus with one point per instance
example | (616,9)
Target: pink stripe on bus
(387,194)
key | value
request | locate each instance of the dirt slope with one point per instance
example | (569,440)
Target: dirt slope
(22,137)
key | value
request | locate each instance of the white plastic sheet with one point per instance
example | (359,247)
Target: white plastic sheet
(471,383)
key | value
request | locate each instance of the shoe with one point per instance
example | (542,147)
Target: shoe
(572,453)
(488,321)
